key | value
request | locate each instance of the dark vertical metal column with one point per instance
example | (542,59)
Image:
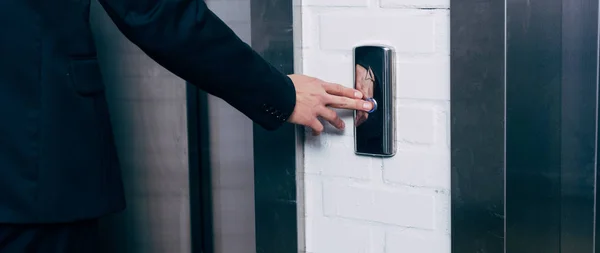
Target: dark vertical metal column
(275,152)
(199,171)
(551,121)
(477,124)
(533,125)
(579,117)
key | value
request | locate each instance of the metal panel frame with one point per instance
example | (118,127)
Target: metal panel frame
(383,117)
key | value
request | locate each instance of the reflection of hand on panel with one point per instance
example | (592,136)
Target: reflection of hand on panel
(364,83)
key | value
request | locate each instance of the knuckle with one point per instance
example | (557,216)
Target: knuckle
(329,114)
(317,126)
(349,91)
(320,109)
(359,104)
(323,98)
(333,115)
(337,100)
(345,102)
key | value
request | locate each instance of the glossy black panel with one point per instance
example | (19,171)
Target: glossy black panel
(374,76)
(477,125)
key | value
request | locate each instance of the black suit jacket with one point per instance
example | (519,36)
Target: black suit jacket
(57,156)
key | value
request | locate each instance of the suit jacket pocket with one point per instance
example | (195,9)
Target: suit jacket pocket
(86,76)
(86,80)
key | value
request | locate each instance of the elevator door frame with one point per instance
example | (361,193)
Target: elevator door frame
(490,106)
(275,152)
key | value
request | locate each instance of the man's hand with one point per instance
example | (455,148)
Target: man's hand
(314,95)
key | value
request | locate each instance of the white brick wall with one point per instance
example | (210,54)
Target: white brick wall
(371,205)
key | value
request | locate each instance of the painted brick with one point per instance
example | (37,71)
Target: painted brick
(310,29)
(335,68)
(333,236)
(415,125)
(298,32)
(328,138)
(423,79)
(337,3)
(386,206)
(373,205)
(412,240)
(443,134)
(415,3)
(407,32)
(442,28)
(313,195)
(338,160)
(417,168)
(442,222)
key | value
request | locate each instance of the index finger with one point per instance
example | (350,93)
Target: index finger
(349,103)
(339,90)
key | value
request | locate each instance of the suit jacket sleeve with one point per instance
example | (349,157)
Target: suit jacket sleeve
(189,40)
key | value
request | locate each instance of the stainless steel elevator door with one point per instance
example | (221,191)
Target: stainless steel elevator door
(531,186)
(244,191)
(231,153)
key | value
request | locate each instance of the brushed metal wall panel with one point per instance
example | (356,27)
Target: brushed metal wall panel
(148,109)
(539,57)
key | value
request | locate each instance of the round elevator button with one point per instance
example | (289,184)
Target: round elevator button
(374,102)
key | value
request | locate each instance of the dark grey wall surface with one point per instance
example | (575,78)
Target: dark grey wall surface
(551,91)
(477,126)
(148,107)
(275,152)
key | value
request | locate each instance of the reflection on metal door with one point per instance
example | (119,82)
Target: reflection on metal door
(524,133)
(231,152)
(230,214)
(223,205)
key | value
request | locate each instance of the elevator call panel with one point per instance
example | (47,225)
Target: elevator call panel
(374,76)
